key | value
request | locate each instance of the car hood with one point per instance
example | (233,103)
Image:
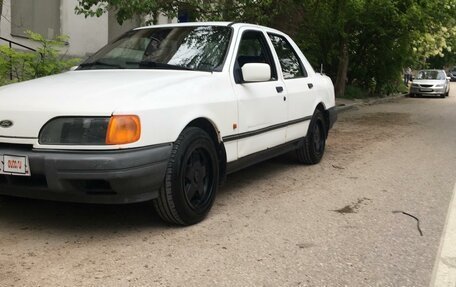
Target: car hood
(429,82)
(29,105)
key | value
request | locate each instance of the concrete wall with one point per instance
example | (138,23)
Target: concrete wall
(42,15)
(115,30)
(87,35)
(5,26)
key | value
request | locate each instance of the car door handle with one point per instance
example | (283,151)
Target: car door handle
(310,85)
(279,89)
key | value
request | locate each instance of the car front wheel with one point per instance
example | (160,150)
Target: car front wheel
(314,144)
(191,179)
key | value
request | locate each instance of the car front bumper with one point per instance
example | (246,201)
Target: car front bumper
(104,177)
(427,91)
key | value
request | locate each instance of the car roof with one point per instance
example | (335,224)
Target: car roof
(185,24)
(214,23)
(431,70)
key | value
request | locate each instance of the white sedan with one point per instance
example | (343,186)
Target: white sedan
(164,113)
(431,83)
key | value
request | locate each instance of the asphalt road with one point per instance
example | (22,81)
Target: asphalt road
(339,223)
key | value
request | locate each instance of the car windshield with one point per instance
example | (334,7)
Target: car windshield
(431,75)
(199,48)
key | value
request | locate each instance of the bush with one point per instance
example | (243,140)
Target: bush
(355,92)
(45,61)
(394,88)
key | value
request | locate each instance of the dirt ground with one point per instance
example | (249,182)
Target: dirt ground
(339,223)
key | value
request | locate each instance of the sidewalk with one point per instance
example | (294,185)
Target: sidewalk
(343,105)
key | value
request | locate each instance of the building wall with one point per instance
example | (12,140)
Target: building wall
(5,25)
(87,35)
(115,30)
(42,15)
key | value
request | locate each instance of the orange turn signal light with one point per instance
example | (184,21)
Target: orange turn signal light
(123,129)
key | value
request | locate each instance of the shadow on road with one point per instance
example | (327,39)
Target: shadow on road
(40,214)
(25,214)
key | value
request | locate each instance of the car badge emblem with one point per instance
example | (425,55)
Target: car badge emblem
(6,123)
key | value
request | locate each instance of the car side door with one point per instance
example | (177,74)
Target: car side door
(262,108)
(301,89)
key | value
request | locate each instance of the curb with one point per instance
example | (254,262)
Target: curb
(344,108)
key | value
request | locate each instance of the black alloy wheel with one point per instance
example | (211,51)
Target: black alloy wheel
(198,179)
(191,180)
(314,145)
(318,137)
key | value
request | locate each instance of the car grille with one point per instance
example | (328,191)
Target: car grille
(427,86)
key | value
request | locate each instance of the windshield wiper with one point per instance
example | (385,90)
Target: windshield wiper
(99,63)
(157,65)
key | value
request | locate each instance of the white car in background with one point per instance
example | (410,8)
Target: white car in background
(452,74)
(430,83)
(164,113)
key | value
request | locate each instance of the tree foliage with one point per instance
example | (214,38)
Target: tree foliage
(23,65)
(366,43)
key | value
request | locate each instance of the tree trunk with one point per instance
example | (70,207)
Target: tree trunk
(227,13)
(342,70)
(155,16)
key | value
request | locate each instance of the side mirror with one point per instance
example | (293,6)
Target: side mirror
(449,78)
(74,68)
(256,72)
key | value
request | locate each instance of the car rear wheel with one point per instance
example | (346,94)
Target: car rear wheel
(315,142)
(191,180)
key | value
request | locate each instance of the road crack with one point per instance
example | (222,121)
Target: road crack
(412,216)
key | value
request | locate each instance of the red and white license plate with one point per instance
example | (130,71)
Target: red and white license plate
(14,165)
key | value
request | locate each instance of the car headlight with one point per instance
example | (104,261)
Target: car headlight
(439,86)
(415,85)
(91,130)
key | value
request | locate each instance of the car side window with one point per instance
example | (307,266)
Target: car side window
(253,48)
(289,61)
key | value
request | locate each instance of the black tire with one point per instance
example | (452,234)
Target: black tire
(442,96)
(191,180)
(411,95)
(314,144)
